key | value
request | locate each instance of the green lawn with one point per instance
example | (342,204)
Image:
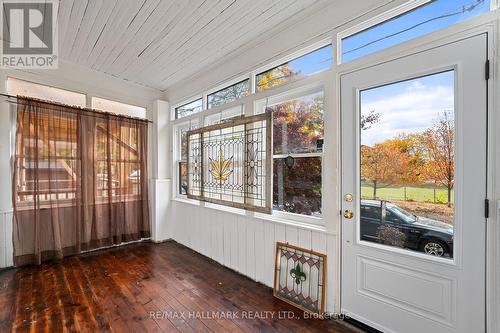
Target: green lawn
(427,194)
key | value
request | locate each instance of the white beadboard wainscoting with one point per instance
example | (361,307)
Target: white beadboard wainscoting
(6,248)
(248,244)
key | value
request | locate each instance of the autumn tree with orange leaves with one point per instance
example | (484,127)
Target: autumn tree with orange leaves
(275,77)
(297,128)
(389,163)
(438,145)
(412,159)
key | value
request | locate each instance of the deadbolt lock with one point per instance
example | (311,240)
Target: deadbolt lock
(348,197)
(348,214)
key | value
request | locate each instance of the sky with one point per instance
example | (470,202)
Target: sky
(313,62)
(426,17)
(410,106)
(407,107)
(415,21)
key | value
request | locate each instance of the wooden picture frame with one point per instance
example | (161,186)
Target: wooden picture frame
(313,303)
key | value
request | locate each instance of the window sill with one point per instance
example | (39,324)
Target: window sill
(232,210)
(316,224)
(67,203)
(187,201)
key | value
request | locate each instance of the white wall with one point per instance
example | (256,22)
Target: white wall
(248,244)
(160,184)
(82,80)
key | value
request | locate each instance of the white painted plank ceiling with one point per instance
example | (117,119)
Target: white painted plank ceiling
(158,43)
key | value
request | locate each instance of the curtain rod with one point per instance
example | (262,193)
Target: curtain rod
(104,113)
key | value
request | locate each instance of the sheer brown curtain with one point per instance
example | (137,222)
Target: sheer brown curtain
(80,181)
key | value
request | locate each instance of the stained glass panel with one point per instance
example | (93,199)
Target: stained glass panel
(228,163)
(300,278)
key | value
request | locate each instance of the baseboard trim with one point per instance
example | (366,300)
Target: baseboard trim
(162,241)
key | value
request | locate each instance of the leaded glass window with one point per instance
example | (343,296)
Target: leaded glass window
(229,163)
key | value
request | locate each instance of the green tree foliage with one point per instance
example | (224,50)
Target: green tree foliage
(229,94)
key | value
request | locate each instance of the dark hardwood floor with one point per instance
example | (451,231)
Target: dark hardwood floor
(143,288)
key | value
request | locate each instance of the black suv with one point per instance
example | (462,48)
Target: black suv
(384,222)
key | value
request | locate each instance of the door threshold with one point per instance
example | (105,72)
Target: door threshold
(363,327)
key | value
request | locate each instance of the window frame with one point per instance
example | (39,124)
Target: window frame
(21,162)
(177,154)
(251,75)
(32,82)
(303,52)
(233,205)
(290,57)
(259,107)
(317,82)
(197,118)
(224,86)
(94,97)
(173,110)
(28,204)
(329,80)
(237,110)
(88,104)
(129,196)
(382,17)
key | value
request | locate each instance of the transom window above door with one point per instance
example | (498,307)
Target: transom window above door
(408,21)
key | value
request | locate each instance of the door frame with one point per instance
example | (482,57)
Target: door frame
(364,300)
(487,24)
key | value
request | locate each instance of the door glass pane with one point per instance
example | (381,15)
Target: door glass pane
(407,164)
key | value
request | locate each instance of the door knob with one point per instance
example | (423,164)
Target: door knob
(348,214)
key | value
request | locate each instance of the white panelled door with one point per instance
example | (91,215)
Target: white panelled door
(414,145)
